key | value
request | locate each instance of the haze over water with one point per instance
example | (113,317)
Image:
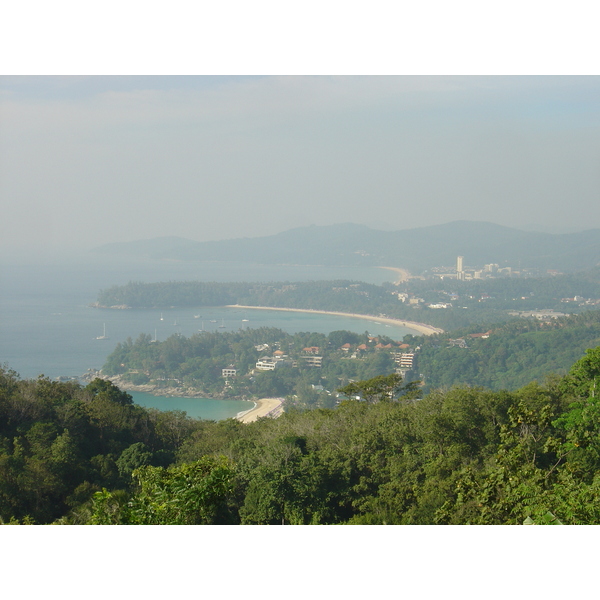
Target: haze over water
(47,326)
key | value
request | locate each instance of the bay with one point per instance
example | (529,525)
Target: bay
(59,339)
(48,328)
(198,408)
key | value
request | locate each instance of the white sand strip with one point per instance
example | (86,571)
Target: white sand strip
(403,274)
(422,328)
(263,407)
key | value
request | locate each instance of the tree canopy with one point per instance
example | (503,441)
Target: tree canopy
(452,456)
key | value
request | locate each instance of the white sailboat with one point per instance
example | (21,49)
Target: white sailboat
(103,336)
(201,330)
(154,340)
(222,325)
(161,317)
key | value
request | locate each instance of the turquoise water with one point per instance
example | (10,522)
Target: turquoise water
(200,408)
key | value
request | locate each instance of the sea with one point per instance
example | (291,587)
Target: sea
(47,326)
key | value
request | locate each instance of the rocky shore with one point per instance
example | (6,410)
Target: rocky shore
(171,391)
(116,306)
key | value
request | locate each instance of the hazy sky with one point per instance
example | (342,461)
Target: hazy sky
(91,160)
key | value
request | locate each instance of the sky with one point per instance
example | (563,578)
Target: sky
(89,160)
(266,118)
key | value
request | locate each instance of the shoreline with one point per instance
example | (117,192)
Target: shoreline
(167,392)
(422,328)
(403,274)
(272,407)
(263,407)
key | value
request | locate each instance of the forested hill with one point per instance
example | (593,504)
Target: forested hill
(506,356)
(485,301)
(415,249)
(73,455)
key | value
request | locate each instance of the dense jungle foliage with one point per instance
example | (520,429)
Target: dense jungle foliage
(514,354)
(61,442)
(72,454)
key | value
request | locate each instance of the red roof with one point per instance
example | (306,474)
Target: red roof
(480,335)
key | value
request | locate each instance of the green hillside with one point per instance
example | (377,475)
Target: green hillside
(73,455)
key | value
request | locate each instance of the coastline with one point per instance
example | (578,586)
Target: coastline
(403,274)
(422,328)
(165,392)
(272,407)
(263,407)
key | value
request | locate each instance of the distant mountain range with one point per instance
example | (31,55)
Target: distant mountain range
(357,245)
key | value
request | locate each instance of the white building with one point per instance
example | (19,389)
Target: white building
(270,363)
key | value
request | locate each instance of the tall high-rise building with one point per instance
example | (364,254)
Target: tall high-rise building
(459,264)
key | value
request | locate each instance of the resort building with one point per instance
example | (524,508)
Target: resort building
(312,361)
(272,363)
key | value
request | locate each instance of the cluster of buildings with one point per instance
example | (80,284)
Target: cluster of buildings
(492,270)
(312,357)
(541,315)
(581,301)
(462,342)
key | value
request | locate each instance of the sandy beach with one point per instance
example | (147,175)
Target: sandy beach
(403,274)
(422,328)
(264,406)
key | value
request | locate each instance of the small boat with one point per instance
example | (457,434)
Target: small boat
(222,325)
(213,320)
(197,316)
(154,340)
(161,317)
(201,330)
(245,320)
(103,336)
